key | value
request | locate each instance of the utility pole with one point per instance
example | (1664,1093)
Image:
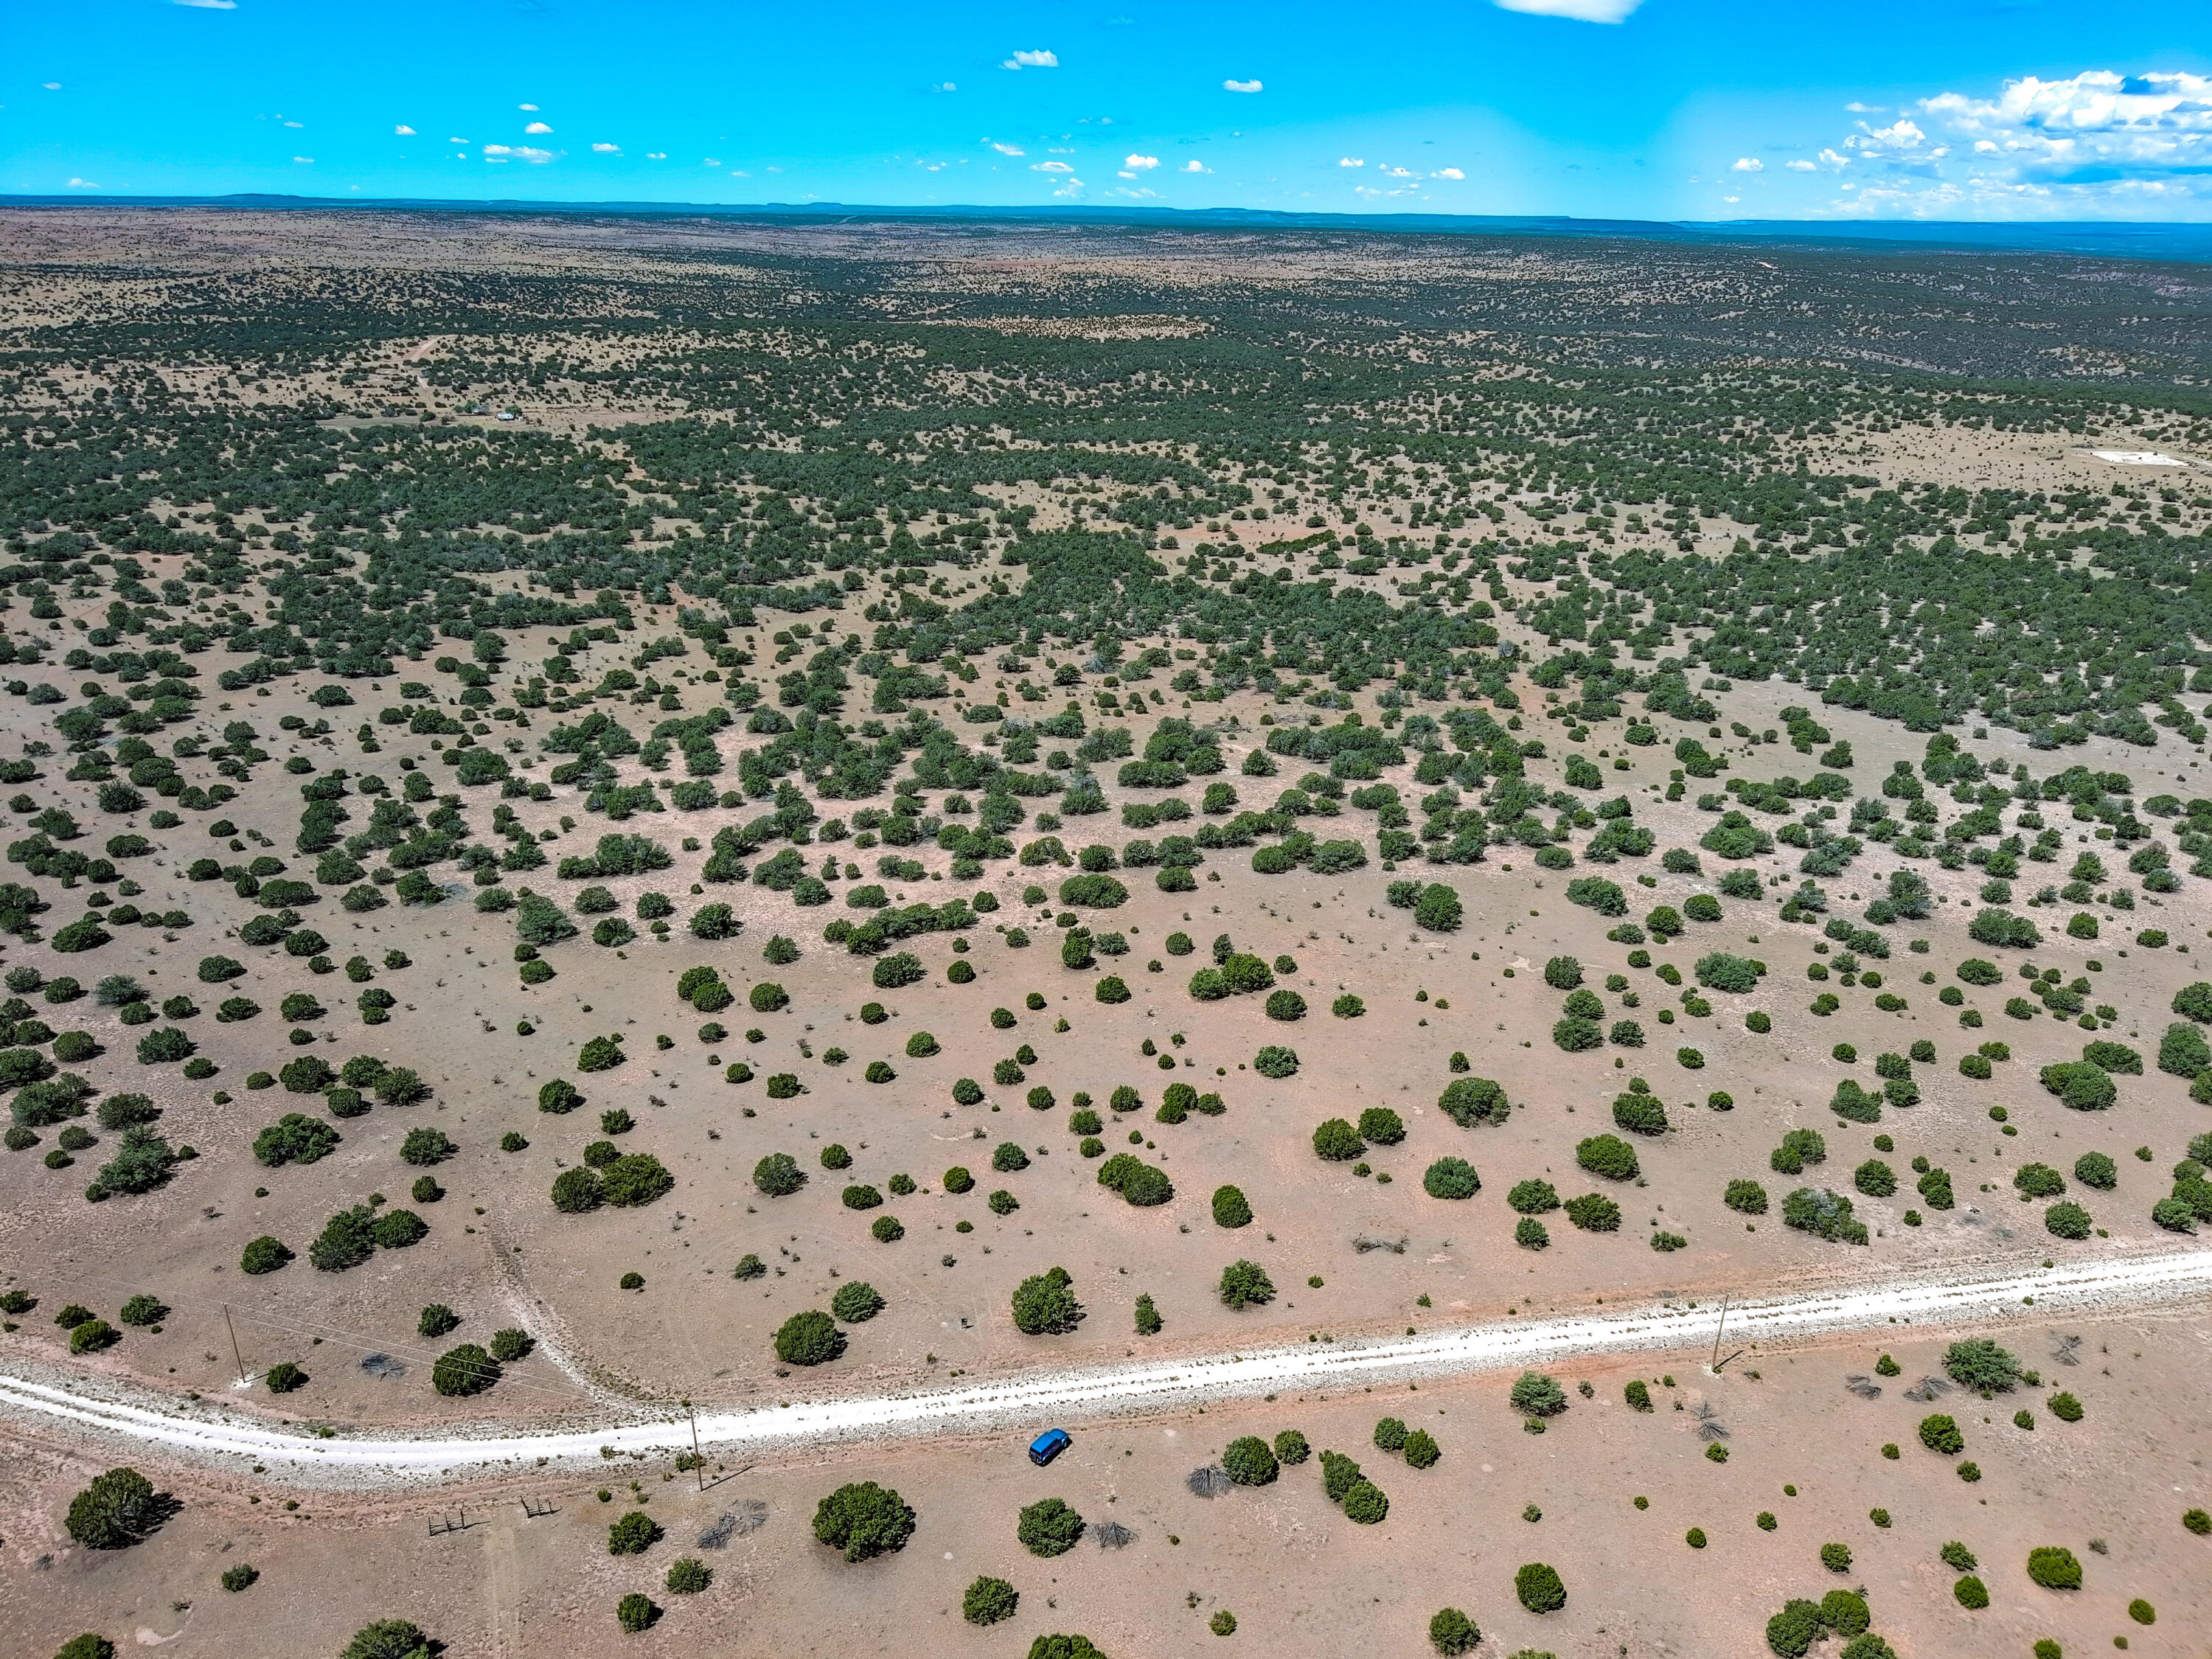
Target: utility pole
(234,1354)
(698,1463)
(1717,1329)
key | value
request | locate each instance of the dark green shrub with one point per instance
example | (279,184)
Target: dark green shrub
(2078,1083)
(2054,1567)
(388,1638)
(1939,1432)
(117,1508)
(1593,1212)
(1291,1448)
(1390,1434)
(1471,1100)
(463,1370)
(1980,1363)
(809,1338)
(1563,973)
(2096,1169)
(1365,1503)
(1276,1062)
(2065,1408)
(1336,1140)
(1535,1394)
(988,1601)
(1534,1196)
(1248,1462)
(1971,1592)
(240,1577)
(856,1302)
(686,1576)
(1637,1395)
(778,1175)
(1540,1589)
(1608,1155)
(1246,1284)
(1049,1528)
(263,1254)
(635,1534)
(1231,1208)
(1421,1450)
(1450,1178)
(1824,1213)
(1746,1197)
(1451,1632)
(1044,1304)
(2068,1221)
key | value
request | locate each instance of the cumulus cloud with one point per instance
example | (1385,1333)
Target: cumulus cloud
(1350,161)
(943,85)
(2096,140)
(210,5)
(1051,167)
(1802,165)
(1010,149)
(1195,167)
(1022,60)
(82,184)
(305,160)
(1447,173)
(537,158)
(537,126)
(52,86)
(1580,11)
(403,130)
(532,107)
(1241,85)
(1746,164)
(656,156)
(1142,162)
(606,149)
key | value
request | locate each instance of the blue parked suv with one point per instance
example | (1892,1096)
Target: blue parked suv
(1047,1446)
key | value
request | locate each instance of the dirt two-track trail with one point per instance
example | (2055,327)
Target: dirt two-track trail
(1983,1294)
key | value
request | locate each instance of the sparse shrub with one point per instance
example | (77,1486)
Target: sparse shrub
(1246,1284)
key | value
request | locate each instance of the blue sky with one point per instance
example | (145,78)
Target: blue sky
(1703,109)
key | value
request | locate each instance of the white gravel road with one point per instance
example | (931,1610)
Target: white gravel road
(1983,1296)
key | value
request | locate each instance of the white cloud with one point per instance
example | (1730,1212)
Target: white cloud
(532,107)
(2098,141)
(1580,11)
(1241,85)
(1731,199)
(1857,108)
(1142,161)
(1350,161)
(1389,171)
(296,125)
(1801,167)
(1039,59)
(943,85)
(1447,173)
(82,184)
(606,149)
(457,140)
(210,5)
(52,86)
(1010,149)
(710,161)
(403,130)
(1195,167)
(1746,164)
(1051,167)
(537,158)
(656,156)
(305,160)
(537,126)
